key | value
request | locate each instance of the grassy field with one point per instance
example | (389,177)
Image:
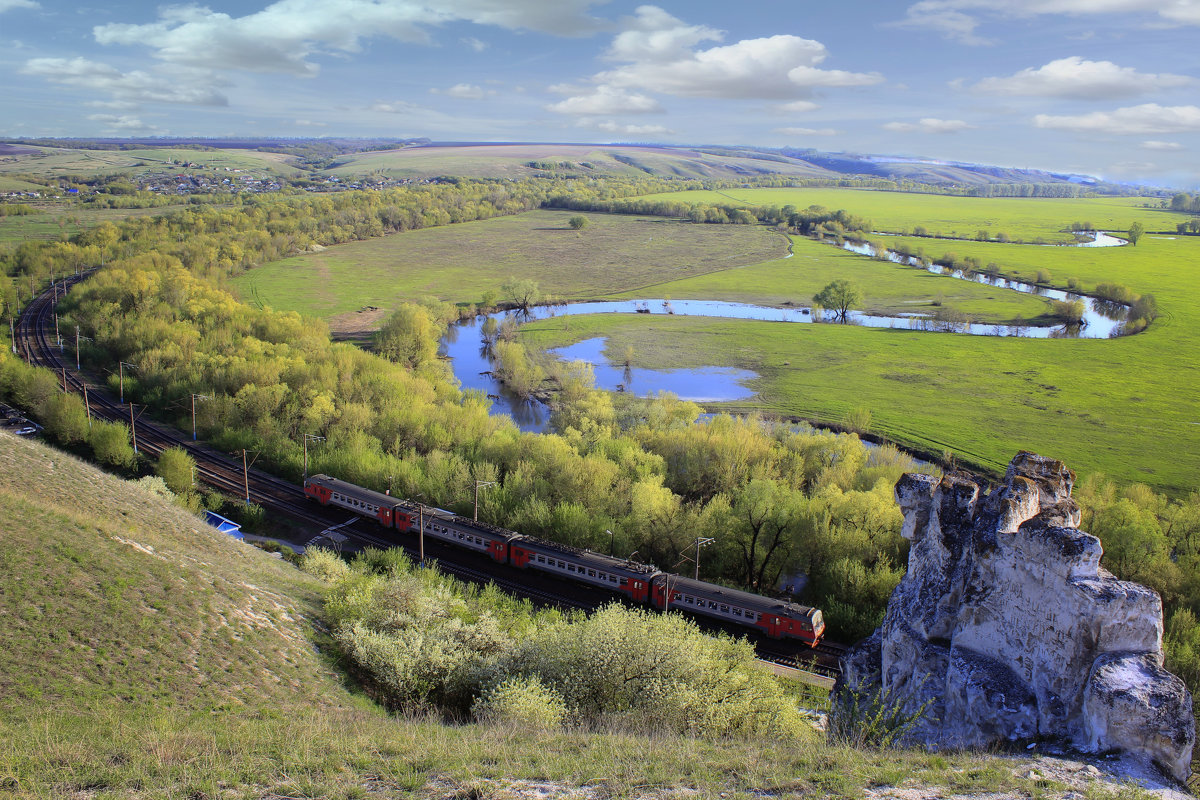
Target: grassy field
(513,161)
(1126,407)
(1114,406)
(460,262)
(1020,218)
(56,220)
(146,655)
(889,289)
(69,161)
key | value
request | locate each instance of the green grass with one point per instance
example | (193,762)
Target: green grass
(146,655)
(68,161)
(1025,218)
(56,220)
(459,263)
(512,161)
(1127,407)
(889,289)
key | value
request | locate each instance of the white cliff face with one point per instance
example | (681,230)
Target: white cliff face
(1006,628)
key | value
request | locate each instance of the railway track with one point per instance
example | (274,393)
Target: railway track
(222,472)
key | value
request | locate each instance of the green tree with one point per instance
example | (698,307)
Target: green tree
(111,444)
(524,292)
(175,467)
(409,336)
(1135,232)
(577,222)
(839,297)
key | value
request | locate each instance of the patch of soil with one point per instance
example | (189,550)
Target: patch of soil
(357,326)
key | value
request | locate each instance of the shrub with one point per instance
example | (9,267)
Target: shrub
(111,444)
(324,564)
(523,702)
(1070,312)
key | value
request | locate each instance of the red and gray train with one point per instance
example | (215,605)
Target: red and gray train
(640,583)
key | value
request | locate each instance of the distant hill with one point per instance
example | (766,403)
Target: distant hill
(398,159)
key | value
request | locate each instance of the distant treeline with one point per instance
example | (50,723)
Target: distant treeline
(1187,203)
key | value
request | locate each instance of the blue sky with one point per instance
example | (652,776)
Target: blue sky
(1104,87)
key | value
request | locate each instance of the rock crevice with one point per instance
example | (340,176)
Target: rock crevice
(1006,628)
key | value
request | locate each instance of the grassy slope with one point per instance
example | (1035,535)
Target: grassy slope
(143,654)
(461,262)
(68,161)
(511,161)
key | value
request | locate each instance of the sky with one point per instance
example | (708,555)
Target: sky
(1102,87)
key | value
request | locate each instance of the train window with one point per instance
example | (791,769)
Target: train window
(541,559)
(570,567)
(624,581)
(737,612)
(711,604)
(612,579)
(562,565)
(725,609)
(591,573)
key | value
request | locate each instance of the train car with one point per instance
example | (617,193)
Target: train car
(584,566)
(332,492)
(778,619)
(446,526)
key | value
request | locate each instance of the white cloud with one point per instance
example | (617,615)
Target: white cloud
(124,124)
(807,131)
(654,35)
(308,123)
(464,91)
(1168,147)
(799,105)
(950,23)
(398,107)
(283,36)
(9,5)
(630,130)
(188,87)
(775,67)
(659,55)
(606,100)
(1146,119)
(1074,77)
(929,125)
(475,44)
(958,19)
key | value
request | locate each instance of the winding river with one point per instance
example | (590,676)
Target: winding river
(463,343)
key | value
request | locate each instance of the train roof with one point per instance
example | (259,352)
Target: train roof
(591,557)
(737,597)
(355,491)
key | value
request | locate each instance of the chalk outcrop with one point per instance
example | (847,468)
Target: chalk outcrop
(1006,628)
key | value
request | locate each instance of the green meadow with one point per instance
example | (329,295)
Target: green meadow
(459,263)
(1127,407)
(57,220)
(889,289)
(69,161)
(962,217)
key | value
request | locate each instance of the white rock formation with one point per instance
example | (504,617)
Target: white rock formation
(1006,628)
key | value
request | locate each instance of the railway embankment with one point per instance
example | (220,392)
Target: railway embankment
(1005,629)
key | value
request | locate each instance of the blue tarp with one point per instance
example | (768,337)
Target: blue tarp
(224,524)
